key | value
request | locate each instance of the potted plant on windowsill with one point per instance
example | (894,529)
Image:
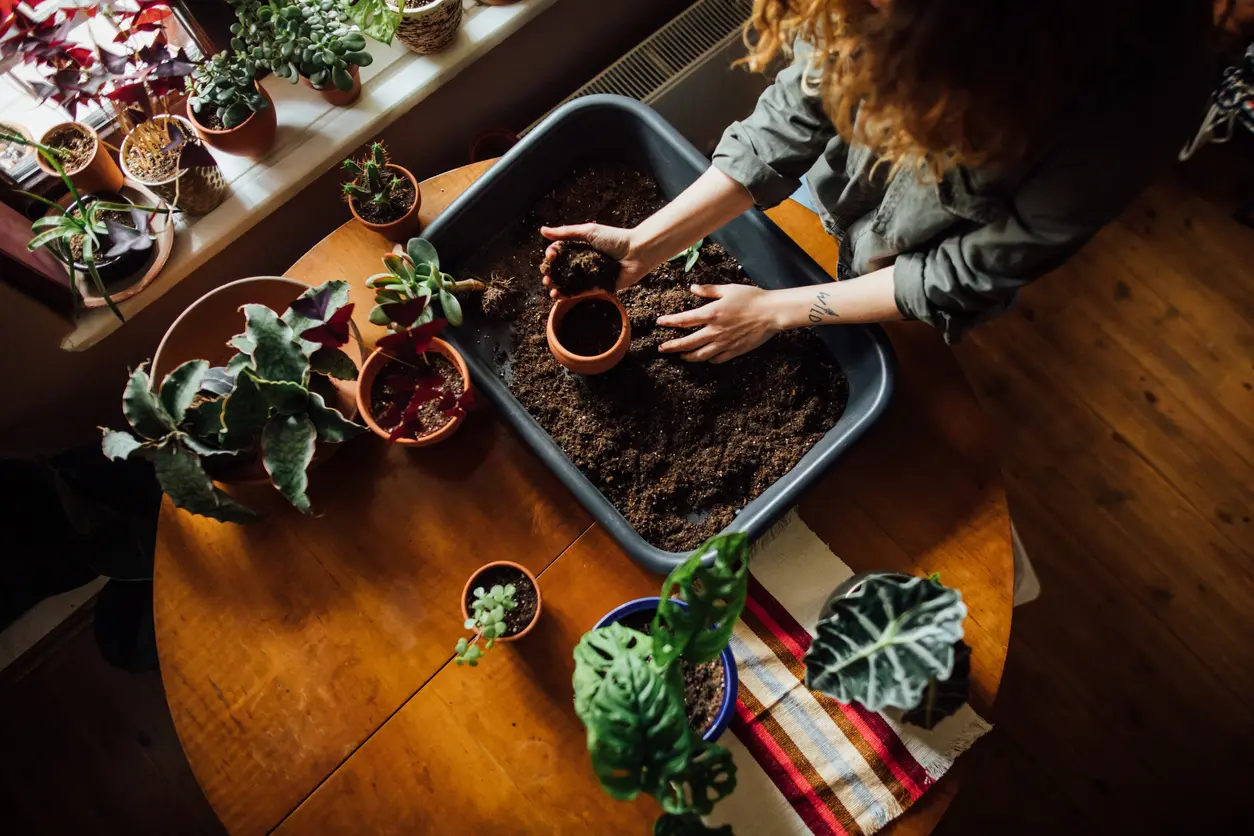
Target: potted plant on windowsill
(888,640)
(501,602)
(424,26)
(631,672)
(382,195)
(229,109)
(261,415)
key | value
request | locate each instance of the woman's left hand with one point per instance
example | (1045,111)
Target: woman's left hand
(740,319)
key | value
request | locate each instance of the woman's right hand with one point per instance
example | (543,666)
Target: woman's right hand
(615,242)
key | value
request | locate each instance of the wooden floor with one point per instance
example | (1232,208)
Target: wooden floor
(1122,391)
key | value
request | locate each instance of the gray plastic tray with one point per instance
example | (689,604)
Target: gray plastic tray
(615,127)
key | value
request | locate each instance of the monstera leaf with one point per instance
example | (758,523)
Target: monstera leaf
(708,776)
(886,641)
(715,596)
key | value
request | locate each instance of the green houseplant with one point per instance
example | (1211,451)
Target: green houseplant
(487,620)
(267,402)
(228,108)
(416,275)
(892,641)
(310,39)
(629,691)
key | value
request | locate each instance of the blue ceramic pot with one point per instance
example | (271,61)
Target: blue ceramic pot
(730,681)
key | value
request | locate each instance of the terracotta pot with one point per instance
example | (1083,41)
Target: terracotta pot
(251,139)
(194,190)
(470,584)
(334,95)
(404,227)
(201,332)
(99,174)
(428,27)
(578,363)
(365,382)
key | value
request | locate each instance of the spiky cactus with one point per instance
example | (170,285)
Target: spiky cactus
(373,184)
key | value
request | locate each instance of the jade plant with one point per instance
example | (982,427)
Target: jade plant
(313,39)
(487,620)
(629,691)
(223,91)
(267,401)
(374,185)
(416,275)
(893,642)
(689,256)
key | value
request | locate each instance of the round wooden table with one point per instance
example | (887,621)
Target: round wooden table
(306,659)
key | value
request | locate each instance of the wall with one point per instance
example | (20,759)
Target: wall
(56,399)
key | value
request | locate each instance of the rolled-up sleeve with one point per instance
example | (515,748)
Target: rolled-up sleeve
(769,152)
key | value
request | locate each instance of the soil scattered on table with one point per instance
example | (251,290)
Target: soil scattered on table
(577,268)
(677,447)
(393,387)
(703,683)
(402,199)
(76,148)
(517,619)
(590,328)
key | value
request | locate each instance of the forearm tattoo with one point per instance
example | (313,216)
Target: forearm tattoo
(821,309)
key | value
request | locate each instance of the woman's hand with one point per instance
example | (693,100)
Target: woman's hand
(615,242)
(740,319)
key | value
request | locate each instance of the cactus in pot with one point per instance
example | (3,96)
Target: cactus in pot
(268,401)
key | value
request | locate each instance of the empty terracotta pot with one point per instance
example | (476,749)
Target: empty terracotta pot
(365,383)
(404,227)
(583,364)
(99,174)
(251,139)
(336,96)
(472,582)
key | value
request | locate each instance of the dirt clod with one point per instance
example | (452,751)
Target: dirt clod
(578,268)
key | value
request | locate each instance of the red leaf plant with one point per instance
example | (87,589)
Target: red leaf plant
(415,379)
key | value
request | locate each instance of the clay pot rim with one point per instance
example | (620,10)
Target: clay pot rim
(568,304)
(534,583)
(82,128)
(377,227)
(196,123)
(126,170)
(376,361)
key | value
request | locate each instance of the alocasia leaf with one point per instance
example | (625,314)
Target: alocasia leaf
(118,445)
(332,426)
(287,447)
(189,487)
(244,414)
(715,597)
(941,698)
(276,355)
(333,363)
(179,388)
(142,409)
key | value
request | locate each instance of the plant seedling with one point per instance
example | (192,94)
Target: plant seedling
(487,620)
(690,255)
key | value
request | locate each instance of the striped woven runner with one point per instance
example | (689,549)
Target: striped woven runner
(806,763)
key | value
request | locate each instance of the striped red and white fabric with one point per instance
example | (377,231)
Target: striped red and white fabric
(806,763)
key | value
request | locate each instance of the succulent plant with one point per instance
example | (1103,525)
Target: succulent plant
(629,691)
(487,619)
(412,276)
(373,184)
(313,39)
(263,402)
(689,256)
(889,643)
(225,86)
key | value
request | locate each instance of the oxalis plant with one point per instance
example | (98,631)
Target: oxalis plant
(416,275)
(894,642)
(487,620)
(264,401)
(629,691)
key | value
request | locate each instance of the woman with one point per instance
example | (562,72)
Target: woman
(957,150)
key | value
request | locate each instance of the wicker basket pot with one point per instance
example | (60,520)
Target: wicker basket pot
(428,27)
(195,190)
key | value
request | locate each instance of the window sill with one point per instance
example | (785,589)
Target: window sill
(312,136)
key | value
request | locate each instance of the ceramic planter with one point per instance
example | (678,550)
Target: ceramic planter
(365,383)
(731,681)
(471,583)
(578,363)
(252,139)
(194,190)
(404,227)
(334,95)
(431,26)
(99,174)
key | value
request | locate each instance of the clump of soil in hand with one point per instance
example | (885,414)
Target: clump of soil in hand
(76,147)
(402,199)
(590,328)
(578,268)
(504,299)
(392,389)
(703,683)
(517,619)
(677,447)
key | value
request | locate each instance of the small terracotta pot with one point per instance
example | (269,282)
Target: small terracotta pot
(404,227)
(194,190)
(365,383)
(470,584)
(251,139)
(578,363)
(334,95)
(100,174)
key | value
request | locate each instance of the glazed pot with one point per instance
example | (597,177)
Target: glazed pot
(365,382)
(431,26)
(334,95)
(731,681)
(578,363)
(99,174)
(194,190)
(252,138)
(404,227)
(471,584)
